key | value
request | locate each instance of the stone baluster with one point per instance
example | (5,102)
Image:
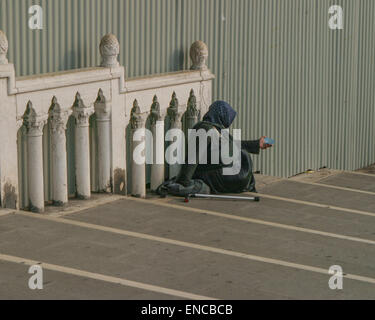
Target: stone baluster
(82,147)
(138,177)
(103,117)
(157,130)
(34,125)
(58,121)
(174,116)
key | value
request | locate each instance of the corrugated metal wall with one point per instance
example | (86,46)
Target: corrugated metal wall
(287,74)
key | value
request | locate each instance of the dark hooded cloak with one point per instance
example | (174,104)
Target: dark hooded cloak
(220,116)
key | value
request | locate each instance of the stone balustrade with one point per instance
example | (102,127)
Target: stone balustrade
(89,116)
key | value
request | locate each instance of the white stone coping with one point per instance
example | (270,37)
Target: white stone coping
(89,75)
(41,88)
(62,79)
(166,80)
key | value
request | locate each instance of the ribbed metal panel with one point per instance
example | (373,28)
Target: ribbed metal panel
(287,74)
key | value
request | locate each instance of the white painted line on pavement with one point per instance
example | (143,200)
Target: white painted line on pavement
(313,204)
(196,246)
(102,277)
(256,221)
(334,187)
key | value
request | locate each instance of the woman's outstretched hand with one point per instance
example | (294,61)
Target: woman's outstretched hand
(262,144)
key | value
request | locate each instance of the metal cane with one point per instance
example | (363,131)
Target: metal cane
(214,196)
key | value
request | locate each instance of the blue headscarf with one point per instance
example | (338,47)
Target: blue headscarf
(220,113)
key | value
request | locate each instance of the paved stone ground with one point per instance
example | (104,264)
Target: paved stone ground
(124,248)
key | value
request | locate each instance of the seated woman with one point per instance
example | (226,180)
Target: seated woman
(209,178)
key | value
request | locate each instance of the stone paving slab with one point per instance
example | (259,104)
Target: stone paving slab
(14,280)
(350,180)
(335,197)
(300,215)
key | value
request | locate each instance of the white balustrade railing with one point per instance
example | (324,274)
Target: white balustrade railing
(71,132)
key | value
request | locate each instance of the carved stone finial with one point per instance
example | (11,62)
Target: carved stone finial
(191,110)
(136,109)
(3,48)
(55,107)
(109,50)
(58,117)
(174,102)
(78,99)
(136,120)
(81,112)
(199,55)
(155,114)
(33,123)
(101,97)
(102,109)
(172,111)
(54,102)
(155,99)
(29,115)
